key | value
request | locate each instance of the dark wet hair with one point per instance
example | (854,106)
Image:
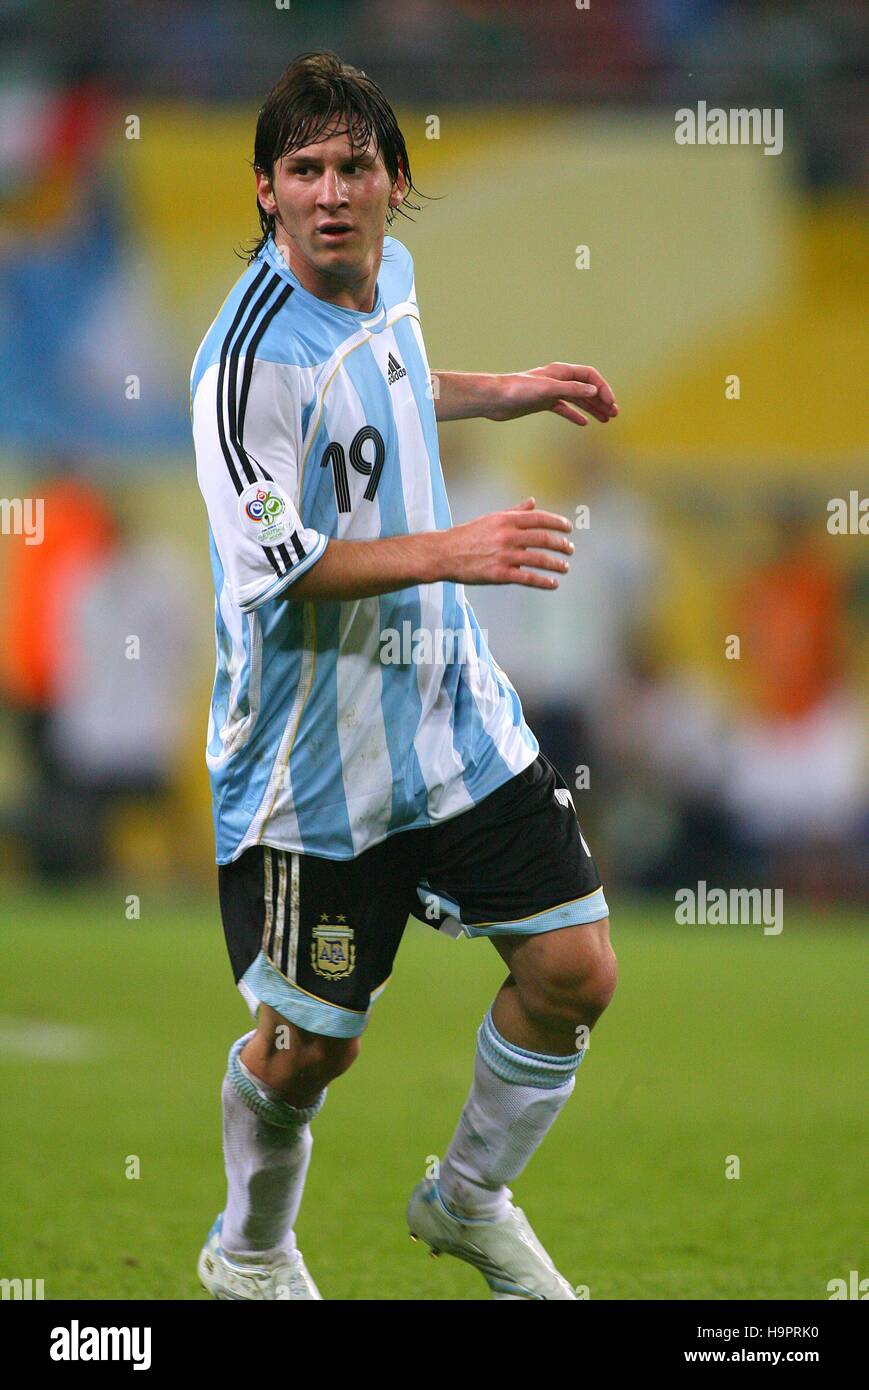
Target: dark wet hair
(314,93)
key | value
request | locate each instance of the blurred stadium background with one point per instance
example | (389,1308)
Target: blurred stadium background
(708,520)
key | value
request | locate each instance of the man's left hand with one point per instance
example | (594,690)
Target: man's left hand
(562,387)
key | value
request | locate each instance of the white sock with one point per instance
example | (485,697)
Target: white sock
(515,1098)
(267,1149)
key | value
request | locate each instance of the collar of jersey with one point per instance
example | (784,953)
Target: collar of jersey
(374,320)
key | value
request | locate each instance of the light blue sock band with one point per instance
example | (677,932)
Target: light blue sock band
(520,1066)
(275,1112)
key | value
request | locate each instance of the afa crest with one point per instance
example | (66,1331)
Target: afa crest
(333,951)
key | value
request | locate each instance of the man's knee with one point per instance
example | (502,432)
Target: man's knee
(288,1054)
(572,975)
(328,1056)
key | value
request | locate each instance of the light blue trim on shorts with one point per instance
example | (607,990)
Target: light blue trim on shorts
(261,983)
(590,908)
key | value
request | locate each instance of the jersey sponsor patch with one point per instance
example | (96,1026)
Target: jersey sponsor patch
(266,514)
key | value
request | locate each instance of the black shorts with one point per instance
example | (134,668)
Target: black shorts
(316,938)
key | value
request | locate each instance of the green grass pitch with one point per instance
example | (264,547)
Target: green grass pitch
(720,1041)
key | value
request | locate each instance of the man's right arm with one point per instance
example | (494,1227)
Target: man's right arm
(269,554)
(508,547)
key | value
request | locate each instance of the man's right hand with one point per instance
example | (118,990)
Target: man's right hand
(508,547)
(504,548)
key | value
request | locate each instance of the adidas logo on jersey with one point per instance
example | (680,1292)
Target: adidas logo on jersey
(395,370)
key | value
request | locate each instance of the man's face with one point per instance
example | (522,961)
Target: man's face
(330,205)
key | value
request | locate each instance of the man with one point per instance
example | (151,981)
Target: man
(354,784)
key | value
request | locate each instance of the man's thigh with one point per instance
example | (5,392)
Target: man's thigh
(517,863)
(315,938)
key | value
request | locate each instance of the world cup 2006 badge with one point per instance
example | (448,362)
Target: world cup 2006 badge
(333,953)
(265,513)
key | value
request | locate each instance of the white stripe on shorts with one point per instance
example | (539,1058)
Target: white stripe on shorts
(280,910)
(295,897)
(267,895)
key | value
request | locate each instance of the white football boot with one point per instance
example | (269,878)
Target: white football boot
(284,1277)
(507,1253)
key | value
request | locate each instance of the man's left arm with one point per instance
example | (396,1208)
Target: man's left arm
(564,388)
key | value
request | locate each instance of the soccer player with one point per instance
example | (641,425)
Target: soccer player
(368,756)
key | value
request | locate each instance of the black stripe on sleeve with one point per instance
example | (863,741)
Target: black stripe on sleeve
(256,316)
(279,556)
(250,355)
(221,375)
(232,386)
(297,546)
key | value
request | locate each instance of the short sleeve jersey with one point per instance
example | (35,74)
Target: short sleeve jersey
(334,724)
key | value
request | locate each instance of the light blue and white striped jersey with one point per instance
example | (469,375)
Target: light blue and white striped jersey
(334,723)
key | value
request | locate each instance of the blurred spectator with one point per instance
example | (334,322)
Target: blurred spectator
(667,735)
(99,629)
(790,618)
(42,584)
(121,713)
(565,650)
(798,754)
